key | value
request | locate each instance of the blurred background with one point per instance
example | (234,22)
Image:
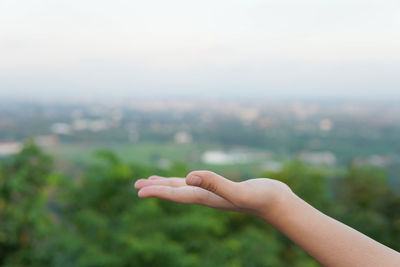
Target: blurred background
(97,94)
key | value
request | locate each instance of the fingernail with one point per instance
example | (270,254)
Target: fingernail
(140,193)
(195,180)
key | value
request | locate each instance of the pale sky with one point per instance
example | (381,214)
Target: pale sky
(69,48)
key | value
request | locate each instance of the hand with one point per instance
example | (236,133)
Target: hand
(261,197)
(330,242)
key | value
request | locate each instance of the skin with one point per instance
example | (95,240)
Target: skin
(329,241)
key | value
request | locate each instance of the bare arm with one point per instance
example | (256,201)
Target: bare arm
(329,241)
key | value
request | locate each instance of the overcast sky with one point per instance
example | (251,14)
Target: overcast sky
(122,48)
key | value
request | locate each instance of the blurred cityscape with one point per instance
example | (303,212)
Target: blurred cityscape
(220,134)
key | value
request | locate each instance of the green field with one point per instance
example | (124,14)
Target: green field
(163,155)
(144,153)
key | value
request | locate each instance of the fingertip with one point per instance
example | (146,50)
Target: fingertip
(138,183)
(197,177)
(193,173)
(154,191)
(212,182)
(197,173)
(201,173)
(193,180)
(142,193)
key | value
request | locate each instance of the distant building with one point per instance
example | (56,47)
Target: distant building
(183,138)
(46,140)
(91,125)
(318,158)
(97,125)
(272,165)
(9,148)
(61,128)
(80,125)
(265,122)
(249,114)
(217,157)
(374,160)
(326,125)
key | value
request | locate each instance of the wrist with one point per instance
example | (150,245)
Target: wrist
(281,205)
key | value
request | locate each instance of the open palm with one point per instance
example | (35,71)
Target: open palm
(254,196)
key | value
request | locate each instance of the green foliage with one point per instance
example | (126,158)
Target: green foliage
(25,181)
(307,182)
(96,219)
(368,203)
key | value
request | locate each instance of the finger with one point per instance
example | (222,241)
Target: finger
(155,177)
(173,182)
(214,183)
(186,195)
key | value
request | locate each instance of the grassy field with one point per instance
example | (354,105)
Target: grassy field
(153,153)
(68,156)
(144,153)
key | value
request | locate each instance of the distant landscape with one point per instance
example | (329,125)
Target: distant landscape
(241,137)
(67,173)
(95,95)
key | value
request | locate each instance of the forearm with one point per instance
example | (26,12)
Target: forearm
(329,241)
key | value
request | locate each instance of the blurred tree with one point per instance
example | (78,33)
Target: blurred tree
(365,201)
(308,182)
(24,216)
(96,219)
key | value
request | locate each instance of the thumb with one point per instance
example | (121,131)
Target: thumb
(213,182)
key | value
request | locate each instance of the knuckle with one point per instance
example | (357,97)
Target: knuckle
(211,187)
